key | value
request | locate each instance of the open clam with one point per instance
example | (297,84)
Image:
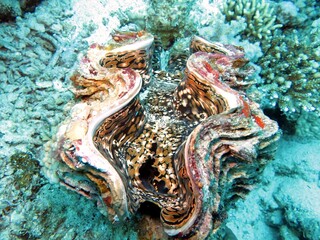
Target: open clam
(190,148)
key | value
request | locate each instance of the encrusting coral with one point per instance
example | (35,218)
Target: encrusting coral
(170,20)
(258,16)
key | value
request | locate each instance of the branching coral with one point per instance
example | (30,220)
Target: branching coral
(289,81)
(258,16)
(290,72)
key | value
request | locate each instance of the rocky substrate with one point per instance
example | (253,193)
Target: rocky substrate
(10,9)
(286,204)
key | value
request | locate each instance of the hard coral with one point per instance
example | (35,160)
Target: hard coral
(169,20)
(258,16)
(290,72)
(9,10)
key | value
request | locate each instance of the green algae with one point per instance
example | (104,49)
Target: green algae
(25,168)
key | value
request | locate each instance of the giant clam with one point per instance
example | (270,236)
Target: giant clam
(190,146)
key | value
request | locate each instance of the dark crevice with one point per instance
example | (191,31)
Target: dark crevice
(147,173)
(150,209)
(286,125)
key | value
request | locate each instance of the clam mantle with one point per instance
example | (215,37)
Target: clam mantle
(190,143)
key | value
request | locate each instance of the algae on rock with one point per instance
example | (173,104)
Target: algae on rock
(169,20)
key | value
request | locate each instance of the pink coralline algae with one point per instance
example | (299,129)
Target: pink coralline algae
(190,144)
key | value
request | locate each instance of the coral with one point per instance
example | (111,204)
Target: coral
(258,15)
(308,125)
(291,80)
(169,20)
(20,182)
(288,14)
(9,10)
(308,9)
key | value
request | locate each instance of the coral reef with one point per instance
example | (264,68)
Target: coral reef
(290,72)
(288,14)
(288,81)
(308,125)
(10,9)
(258,15)
(169,20)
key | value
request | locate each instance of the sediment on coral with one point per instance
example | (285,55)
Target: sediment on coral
(258,15)
(291,80)
(9,10)
(169,22)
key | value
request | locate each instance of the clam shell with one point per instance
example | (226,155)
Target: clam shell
(190,150)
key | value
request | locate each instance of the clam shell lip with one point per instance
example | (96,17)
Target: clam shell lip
(89,153)
(195,64)
(216,45)
(139,44)
(188,225)
(136,84)
(96,53)
(227,49)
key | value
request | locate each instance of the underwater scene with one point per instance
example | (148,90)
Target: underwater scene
(148,119)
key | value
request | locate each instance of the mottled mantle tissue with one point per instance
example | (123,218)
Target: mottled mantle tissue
(189,142)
